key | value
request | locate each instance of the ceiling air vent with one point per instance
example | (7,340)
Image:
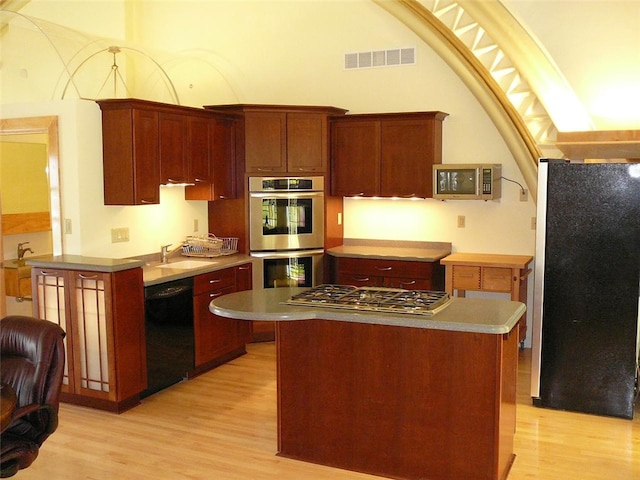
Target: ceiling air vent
(380,58)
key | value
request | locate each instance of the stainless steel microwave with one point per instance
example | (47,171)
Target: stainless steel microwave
(467,181)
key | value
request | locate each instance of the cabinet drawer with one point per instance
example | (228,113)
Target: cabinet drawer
(466,277)
(359,280)
(408,283)
(385,268)
(208,282)
(496,279)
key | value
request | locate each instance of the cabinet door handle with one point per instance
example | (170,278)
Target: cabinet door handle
(144,200)
(199,180)
(215,280)
(361,279)
(87,277)
(215,294)
(244,267)
(412,282)
(384,269)
(48,274)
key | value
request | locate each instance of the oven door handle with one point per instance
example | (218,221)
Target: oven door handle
(285,195)
(287,253)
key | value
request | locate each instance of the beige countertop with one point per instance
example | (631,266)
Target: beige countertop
(153,273)
(80,262)
(462,314)
(157,272)
(392,250)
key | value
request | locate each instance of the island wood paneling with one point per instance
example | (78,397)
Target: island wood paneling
(395,401)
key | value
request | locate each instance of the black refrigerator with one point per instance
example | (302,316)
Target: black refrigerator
(587,287)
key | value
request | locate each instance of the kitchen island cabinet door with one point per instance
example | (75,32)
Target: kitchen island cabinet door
(355,158)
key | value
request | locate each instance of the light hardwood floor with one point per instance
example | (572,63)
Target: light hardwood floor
(222,425)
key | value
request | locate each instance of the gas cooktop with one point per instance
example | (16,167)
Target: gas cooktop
(373,299)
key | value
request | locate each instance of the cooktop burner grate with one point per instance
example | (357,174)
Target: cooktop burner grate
(374,299)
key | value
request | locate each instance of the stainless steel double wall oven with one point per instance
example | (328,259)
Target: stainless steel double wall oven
(286,230)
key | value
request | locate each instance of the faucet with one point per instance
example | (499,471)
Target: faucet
(22,251)
(165,253)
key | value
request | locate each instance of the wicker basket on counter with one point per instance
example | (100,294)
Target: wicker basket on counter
(209,246)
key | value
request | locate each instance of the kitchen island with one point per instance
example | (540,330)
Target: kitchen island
(401,396)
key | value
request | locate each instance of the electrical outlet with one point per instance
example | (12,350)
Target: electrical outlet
(339,218)
(67,226)
(461,221)
(195,224)
(524,194)
(119,235)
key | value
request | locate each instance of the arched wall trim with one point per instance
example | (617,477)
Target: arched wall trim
(476,77)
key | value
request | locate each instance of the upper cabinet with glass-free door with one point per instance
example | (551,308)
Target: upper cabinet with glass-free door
(386,155)
(281,139)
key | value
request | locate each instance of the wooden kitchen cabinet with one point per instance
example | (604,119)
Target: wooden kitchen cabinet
(489,273)
(388,155)
(374,272)
(281,139)
(172,147)
(220,181)
(146,144)
(130,147)
(219,339)
(103,317)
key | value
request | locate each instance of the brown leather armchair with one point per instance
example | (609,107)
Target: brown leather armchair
(32,365)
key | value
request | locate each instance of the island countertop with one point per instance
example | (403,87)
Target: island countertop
(462,314)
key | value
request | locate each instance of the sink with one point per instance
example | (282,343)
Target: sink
(187,264)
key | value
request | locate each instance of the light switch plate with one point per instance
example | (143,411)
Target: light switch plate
(119,235)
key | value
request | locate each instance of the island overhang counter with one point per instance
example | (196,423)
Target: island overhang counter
(401,396)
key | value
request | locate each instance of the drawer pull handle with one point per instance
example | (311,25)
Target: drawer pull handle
(246,267)
(361,279)
(384,269)
(215,280)
(213,295)
(87,277)
(412,282)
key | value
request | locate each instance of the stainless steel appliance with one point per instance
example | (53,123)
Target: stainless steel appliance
(587,279)
(286,213)
(373,299)
(302,268)
(469,181)
(286,230)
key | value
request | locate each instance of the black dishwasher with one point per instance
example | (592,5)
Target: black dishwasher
(169,329)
